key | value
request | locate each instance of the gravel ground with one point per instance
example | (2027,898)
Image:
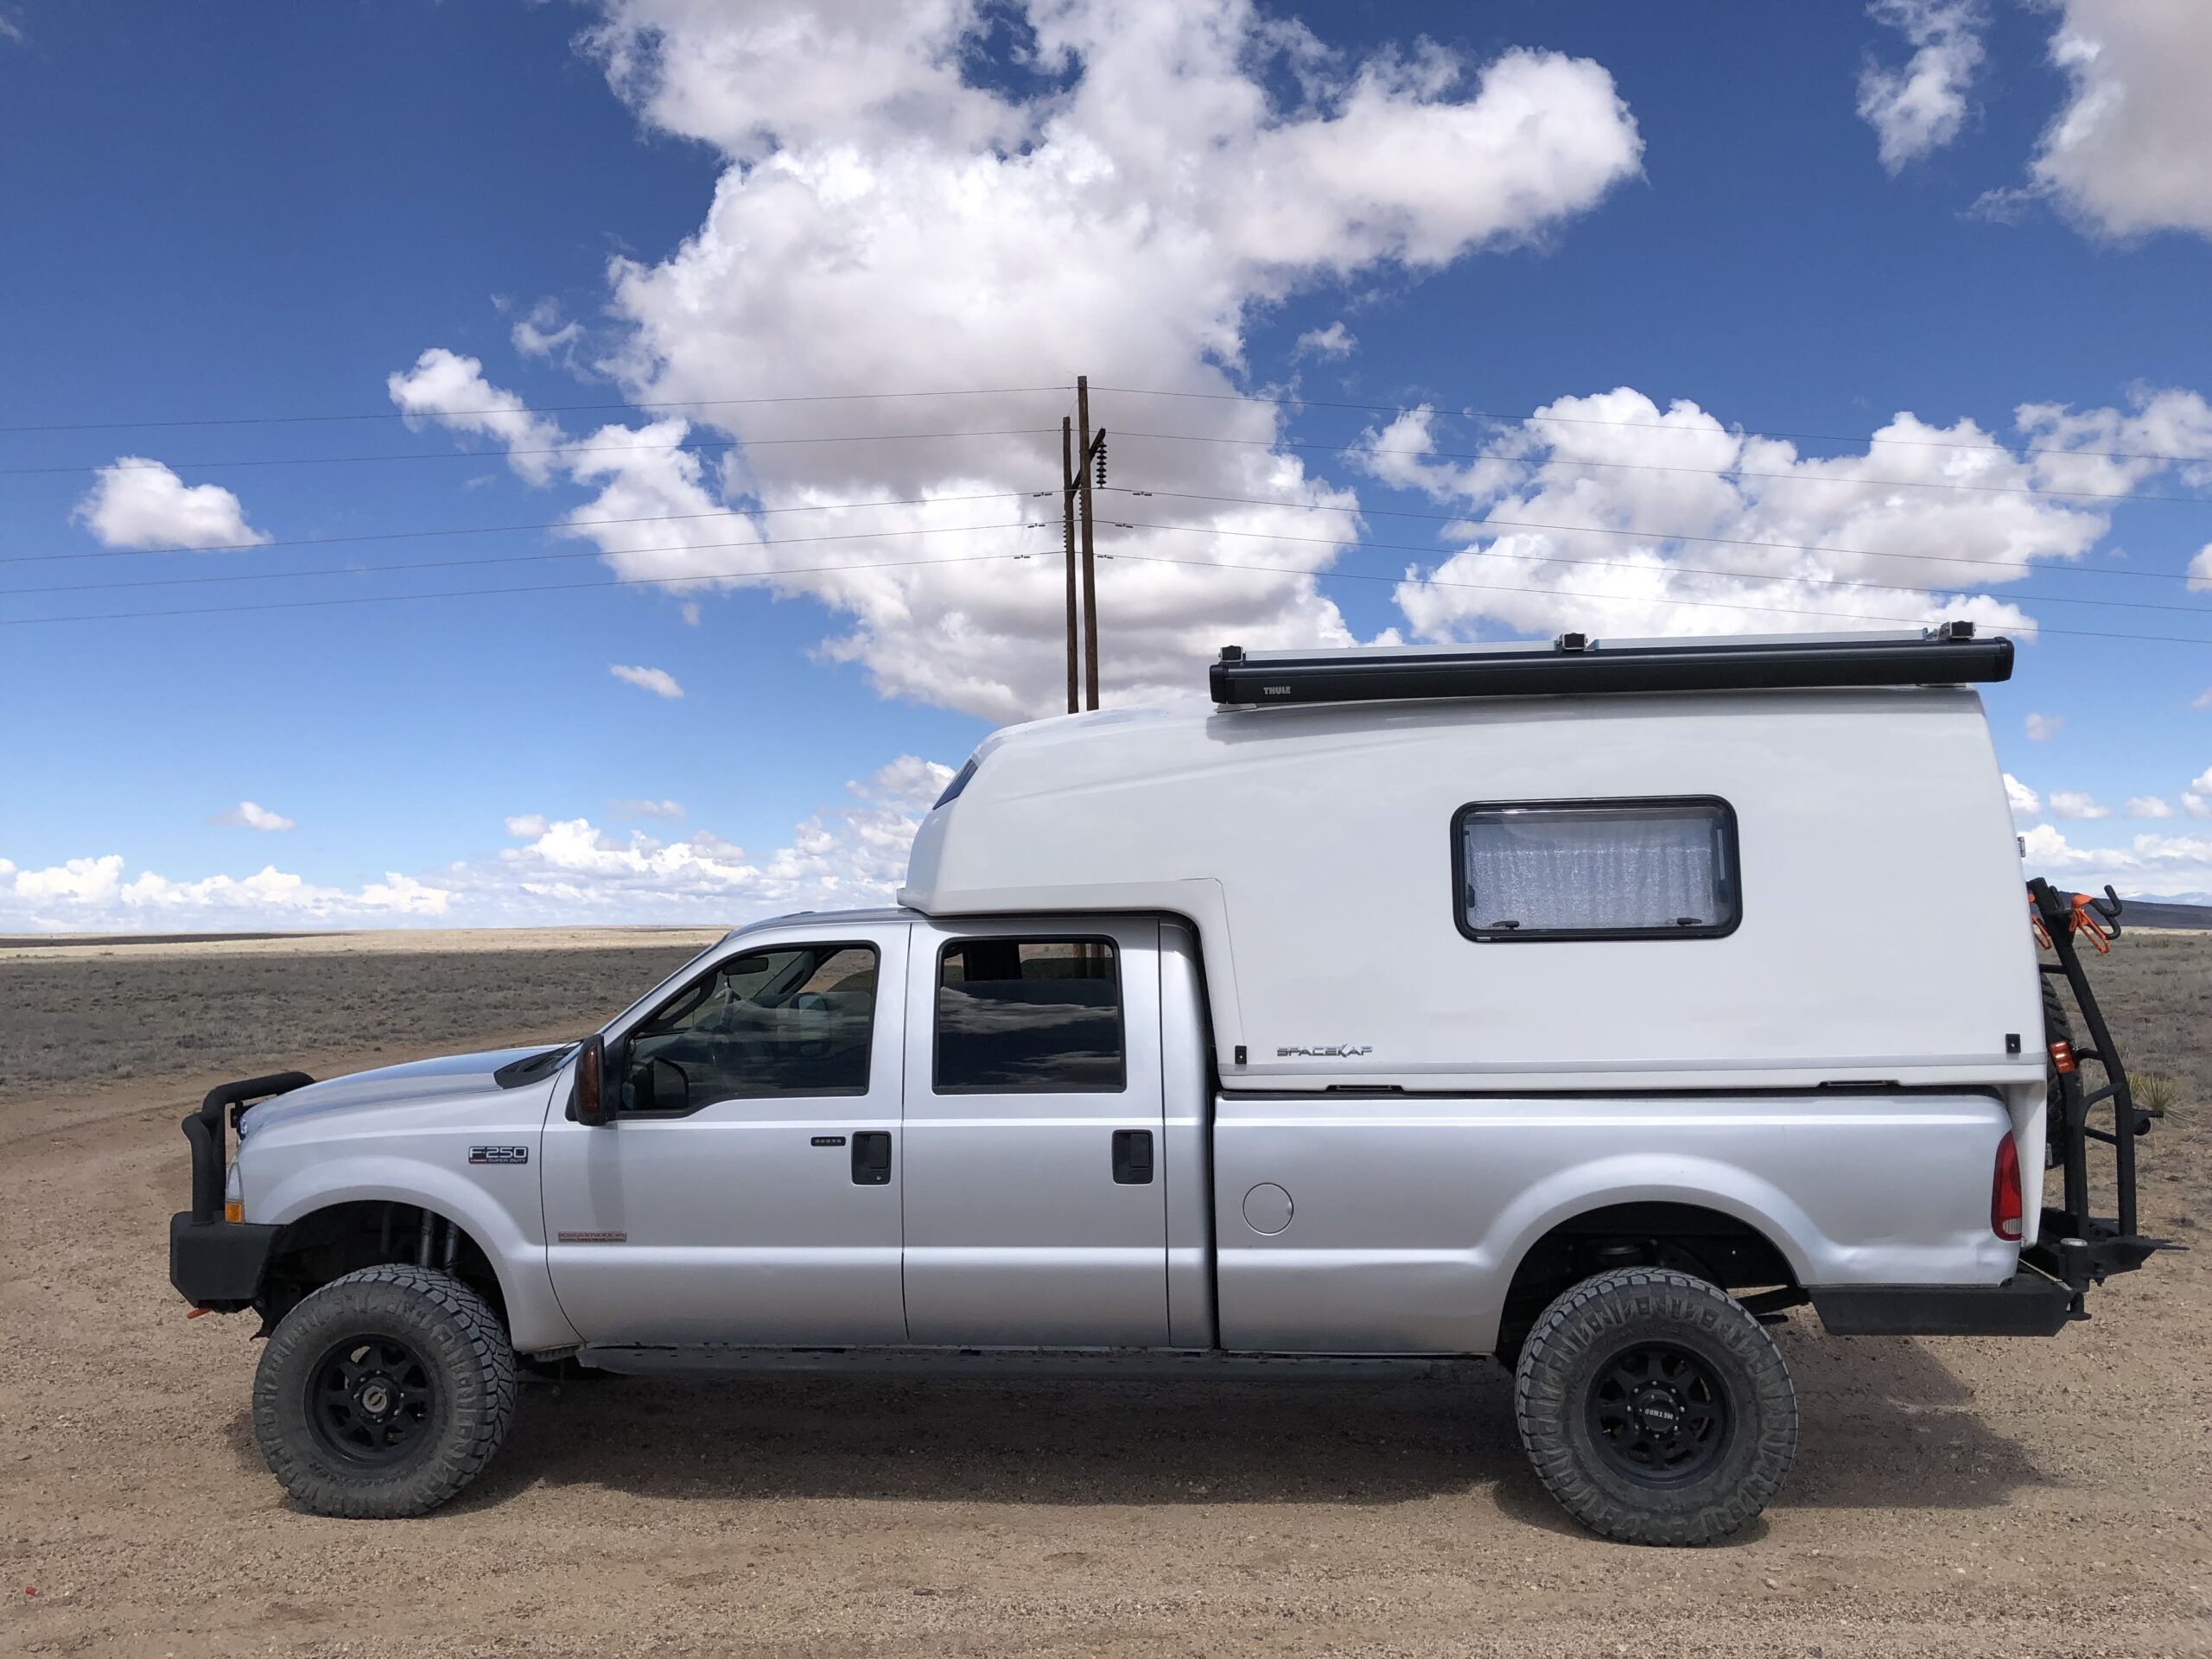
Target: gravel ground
(1951,1496)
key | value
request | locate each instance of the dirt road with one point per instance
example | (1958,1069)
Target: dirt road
(1950,1498)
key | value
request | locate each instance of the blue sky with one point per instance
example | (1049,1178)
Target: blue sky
(1713,251)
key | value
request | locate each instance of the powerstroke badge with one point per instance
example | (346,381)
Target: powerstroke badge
(498,1154)
(593,1238)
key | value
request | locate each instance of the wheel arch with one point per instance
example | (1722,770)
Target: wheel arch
(1727,1224)
(338,1217)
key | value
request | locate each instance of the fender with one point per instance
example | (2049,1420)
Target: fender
(518,1257)
(1641,1177)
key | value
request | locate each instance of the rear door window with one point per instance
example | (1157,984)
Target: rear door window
(1029,1016)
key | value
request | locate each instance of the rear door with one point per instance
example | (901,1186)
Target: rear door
(1034,1214)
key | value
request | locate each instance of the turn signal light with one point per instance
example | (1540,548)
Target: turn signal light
(2062,1055)
(234,1211)
(2005,1208)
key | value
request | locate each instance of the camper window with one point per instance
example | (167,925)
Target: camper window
(1596,869)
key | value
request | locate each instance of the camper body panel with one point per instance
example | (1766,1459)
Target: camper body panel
(1880,939)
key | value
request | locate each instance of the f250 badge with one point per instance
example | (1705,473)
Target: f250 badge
(1328,1051)
(498,1154)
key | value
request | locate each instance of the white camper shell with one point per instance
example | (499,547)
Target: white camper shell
(1704,890)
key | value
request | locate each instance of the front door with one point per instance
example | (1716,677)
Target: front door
(1035,1215)
(747,1190)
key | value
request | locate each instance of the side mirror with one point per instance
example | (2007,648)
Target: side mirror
(591,1083)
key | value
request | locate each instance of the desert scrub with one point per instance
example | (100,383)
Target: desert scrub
(2157,1095)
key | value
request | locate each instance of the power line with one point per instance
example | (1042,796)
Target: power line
(1618,599)
(1486,524)
(1661,426)
(1145,558)
(688,446)
(1179,529)
(504,558)
(501,529)
(524,408)
(1643,467)
(1671,569)
(480,593)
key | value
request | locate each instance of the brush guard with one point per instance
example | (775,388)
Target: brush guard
(2072,1245)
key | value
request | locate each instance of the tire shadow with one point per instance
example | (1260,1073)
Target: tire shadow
(1884,1425)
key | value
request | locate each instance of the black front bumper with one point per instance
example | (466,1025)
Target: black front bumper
(218,1264)
(2029,1304)
(215,1263)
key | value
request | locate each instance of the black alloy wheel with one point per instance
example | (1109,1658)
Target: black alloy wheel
(1656,1407)
(1659,1413)
(383,1393)
(372,1400)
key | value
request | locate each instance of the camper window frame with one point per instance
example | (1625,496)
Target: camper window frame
(1732,872)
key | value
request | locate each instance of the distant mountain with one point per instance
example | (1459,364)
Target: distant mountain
(2164,912)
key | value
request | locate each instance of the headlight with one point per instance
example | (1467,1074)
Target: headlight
(234,1195)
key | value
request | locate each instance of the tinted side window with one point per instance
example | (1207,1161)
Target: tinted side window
(795,1021)
(1023,1016)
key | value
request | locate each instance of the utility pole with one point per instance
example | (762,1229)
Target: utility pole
(1090,564)
(1067,523)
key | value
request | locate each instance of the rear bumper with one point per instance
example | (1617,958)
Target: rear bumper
(2029,1304)
(218,1264)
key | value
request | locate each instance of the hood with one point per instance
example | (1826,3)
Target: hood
(444,1078)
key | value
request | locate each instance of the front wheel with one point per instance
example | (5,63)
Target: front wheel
(383,1393)
(1656,1409)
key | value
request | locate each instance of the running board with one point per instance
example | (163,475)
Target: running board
(1047,1364)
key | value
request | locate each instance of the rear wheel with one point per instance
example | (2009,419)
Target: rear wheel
(383,1393)
(1656,1408)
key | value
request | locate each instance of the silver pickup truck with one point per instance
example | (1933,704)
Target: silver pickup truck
(894,1139)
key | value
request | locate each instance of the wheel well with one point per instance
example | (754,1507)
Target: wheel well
(330,1244)
(1719,1248)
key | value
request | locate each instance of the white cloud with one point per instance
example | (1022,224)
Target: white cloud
(2202,699)
(2024,801)
(659,681)
(2073,803)
(1609,514)
(249,815)
(2200,570)
(570,871)
(1335,341)
(886,220)
(2041,728)
(91,894)
(1919,108)
(668,811)
(2126,154)
(140,503)
(450,389)
(540,333)
(2149,866)
(2149,806)
(2196,799)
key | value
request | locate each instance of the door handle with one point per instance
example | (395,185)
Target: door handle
(1133,1156)
(872,1158)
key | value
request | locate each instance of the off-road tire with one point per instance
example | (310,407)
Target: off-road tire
(467,1361)
(1576,1345)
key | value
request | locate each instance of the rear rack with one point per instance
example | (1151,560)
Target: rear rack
(2073,1245)
(1577,664)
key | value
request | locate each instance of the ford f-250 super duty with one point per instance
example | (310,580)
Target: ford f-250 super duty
(1466,1003)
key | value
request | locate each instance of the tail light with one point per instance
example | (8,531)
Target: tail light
(2005,1206)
